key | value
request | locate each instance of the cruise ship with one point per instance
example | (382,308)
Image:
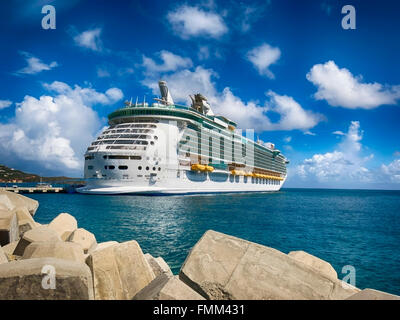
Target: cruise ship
(166,148)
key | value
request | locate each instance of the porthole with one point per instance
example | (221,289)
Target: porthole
(111,167)
(123,167)
(147,168)
(152,143)
(140,167)
(155,138)
(154,168)
(159,169)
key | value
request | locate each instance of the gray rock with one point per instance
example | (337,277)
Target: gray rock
(371,294)
(134,270)
(64,224)
(54,249)
(5,202)
(25,220)
(119,271)
(8,227)
(224,267)
(3,257)
(17,200)
(31,280)
(314,262)
(106,279)
(103,245)
(167,287)
(41,233)
(9,250)
(158,265)
(84,238)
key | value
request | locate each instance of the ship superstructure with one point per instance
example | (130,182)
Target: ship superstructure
(166,148)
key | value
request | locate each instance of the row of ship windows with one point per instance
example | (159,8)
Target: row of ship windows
(110,139)
(116,157)
(111,167)
(140,121)
(135,125)
(124,148)
(262,181)
(124,135)
(120,147)
(127,130)
(106,142)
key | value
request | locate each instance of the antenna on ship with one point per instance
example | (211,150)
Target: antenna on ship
(130,102)
(136,101)
(144,100)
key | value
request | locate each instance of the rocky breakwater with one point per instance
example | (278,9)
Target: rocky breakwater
(62,261)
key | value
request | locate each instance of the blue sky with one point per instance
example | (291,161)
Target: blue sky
(327,97)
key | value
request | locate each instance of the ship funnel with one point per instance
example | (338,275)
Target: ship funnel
(165,94)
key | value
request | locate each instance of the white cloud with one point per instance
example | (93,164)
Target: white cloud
(55,130)
(88,95)
(392,171)
(103,73)
(287,139)
(5,104)
(89,39)
(343,165)
(114,95)
(203,53)
(189,22)
(340,88)
(248,115)
(292,115)
(262,57)
(309,133)
(246,14)
(170,62)
(35,65)
(338,133)
(396,153)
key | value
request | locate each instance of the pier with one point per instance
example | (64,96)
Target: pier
(18,189)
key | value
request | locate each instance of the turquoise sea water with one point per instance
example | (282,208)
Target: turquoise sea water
(344,227)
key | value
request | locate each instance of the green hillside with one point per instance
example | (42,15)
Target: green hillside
(11,175)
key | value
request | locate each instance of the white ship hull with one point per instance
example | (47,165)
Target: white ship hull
(190,183)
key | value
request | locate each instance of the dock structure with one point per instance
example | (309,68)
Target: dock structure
(34,189)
